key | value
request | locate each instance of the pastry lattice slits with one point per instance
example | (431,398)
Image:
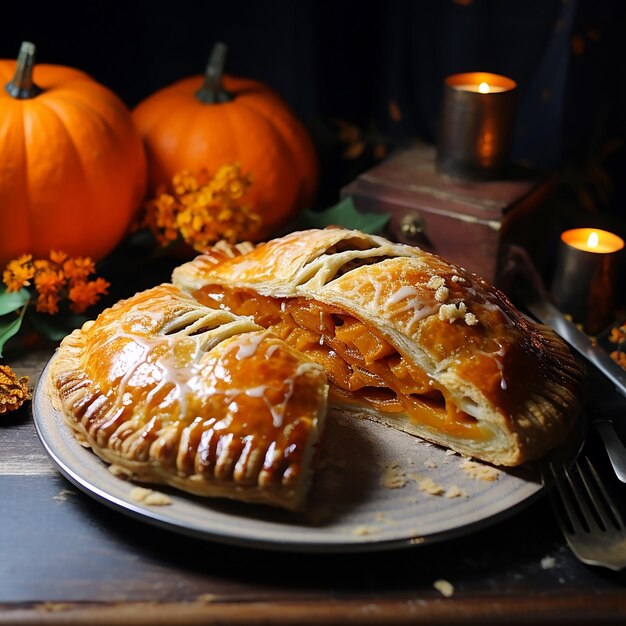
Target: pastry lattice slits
(362,364)
(170,391)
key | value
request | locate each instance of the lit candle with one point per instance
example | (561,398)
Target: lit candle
(584,278)
(593,240)
(475,125)
(480,88)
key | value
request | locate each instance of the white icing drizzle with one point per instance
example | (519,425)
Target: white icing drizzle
(277,410)
(378,290)
(402,294)
(270,350)
(256,392)
(246,345)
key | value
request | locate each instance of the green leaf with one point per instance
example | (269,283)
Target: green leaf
(56,327)
(344,214)
(12,300)
(9,327)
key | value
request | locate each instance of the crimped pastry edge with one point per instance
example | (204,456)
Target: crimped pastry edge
(66,363)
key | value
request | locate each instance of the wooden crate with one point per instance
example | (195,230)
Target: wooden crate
(484,227)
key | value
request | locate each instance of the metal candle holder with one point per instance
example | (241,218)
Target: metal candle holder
(475,127)
(584,279)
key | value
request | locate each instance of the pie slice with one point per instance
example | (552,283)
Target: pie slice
(405,337)
(169,391)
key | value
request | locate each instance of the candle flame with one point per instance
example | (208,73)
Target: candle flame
(593,239)
(483,88)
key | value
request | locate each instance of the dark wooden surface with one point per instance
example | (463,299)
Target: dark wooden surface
(65,558)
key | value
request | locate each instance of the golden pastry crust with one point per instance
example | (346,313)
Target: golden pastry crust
(169,391)
(466,369)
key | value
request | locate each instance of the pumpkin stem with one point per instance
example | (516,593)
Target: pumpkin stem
(22,85)
(212,91)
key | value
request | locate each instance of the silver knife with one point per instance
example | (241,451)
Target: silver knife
(548,314)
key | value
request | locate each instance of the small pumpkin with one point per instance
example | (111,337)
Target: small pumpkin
(206,122)
(72,164)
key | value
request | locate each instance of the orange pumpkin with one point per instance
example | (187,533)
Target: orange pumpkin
(72,164)
(205,122)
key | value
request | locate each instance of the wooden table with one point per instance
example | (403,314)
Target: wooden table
(65,558)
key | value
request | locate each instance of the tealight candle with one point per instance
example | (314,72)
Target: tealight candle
(584,278)
(475,125)
(480,88)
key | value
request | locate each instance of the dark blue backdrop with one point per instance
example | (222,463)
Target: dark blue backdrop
(372,71)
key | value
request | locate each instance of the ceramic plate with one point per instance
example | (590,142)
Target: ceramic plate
(372,491)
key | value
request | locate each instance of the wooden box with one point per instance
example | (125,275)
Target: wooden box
(485,227)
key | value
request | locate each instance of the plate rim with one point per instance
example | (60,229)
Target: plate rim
(161,520)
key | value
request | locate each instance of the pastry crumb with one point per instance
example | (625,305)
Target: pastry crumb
(471,319)
(393,477)
(444,587)
(206,597)
(53,607)
(435,282)
(429,486)
(479,471)
(119,471)
(548,562)
(442,294)
(430,464)
(364,530)
(453,491)
(450,453)
(149,497)
(452,312)
(63,494)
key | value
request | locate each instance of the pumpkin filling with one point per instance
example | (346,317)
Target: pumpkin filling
(360,363)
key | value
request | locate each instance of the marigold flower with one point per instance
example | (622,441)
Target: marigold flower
(618,334)
(55,279)
(58,257)
(18,273)
(619,357)
(82,295)
(202,209)
(14,391)
(49,281)
(47,303)
(78,270)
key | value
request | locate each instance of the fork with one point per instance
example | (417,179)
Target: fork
(589,519)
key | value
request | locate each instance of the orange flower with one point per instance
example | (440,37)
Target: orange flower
(78,270)
(49,281)
(82,295)
(58,257)
(619,357)
(202,210)
(14,391)
(47,303)
(618,334)
(18,273)
(56,279)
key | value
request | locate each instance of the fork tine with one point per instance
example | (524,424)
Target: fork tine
(588,518)
(607,512)
(571,522)
(587,515)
